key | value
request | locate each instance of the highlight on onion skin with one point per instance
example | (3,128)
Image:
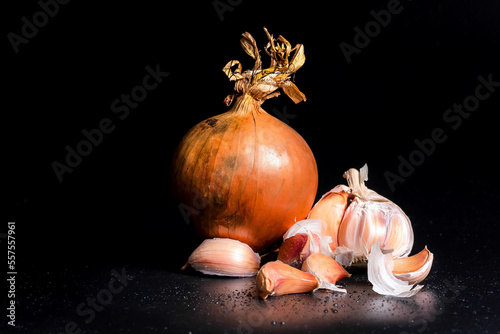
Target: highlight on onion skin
(245,174)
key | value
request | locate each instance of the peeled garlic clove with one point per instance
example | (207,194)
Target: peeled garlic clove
(414,269)
(371,218)
(302,239)
(380,267)
(330,208)
(224,257)
(276,279)
(326,270)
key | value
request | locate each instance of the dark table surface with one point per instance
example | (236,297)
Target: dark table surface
(99,249)
(149,293)
(161,301)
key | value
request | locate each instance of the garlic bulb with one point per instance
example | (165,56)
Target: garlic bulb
(372,218)
(385,282)
(224,257)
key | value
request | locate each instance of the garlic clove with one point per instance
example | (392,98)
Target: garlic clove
(224,257)
(276,279)
(380,266)
(302,239)
(361,226)
(399,235)
(326,270)
(330,208)
(373,227)
(414,269)
(294,250)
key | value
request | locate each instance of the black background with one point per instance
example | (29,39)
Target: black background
(115,207)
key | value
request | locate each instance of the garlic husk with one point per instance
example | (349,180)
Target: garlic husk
(276,278)
(330,208)
(224,257)
(326,270)
(380,267)
(414,269)
(371,218)
(343,255)
(302,239)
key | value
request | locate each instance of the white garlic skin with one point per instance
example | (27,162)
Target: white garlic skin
(366,222)
(380,266)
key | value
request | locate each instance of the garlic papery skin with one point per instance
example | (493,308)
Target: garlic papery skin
(380,267)
(414,269)
(302,239)
(326,270)
(343,255)
(224,257)
(367,222)
(371,218)
(276,278)
(330,208)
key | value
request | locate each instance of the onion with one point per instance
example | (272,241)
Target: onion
(247,175)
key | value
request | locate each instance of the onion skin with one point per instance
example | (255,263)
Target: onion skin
(246,175)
